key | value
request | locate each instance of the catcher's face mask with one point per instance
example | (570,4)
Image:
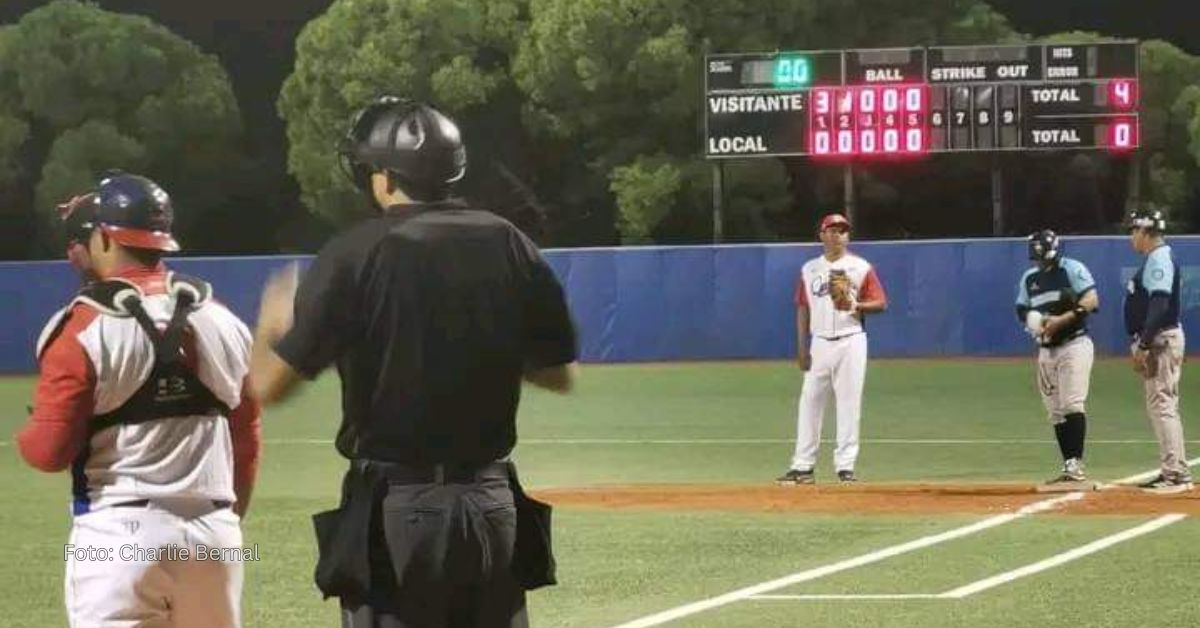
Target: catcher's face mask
(77,216)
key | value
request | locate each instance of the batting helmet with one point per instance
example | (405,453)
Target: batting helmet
(1149,219)
(415,144)
(1043,246)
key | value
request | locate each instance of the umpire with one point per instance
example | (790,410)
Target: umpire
(433,312)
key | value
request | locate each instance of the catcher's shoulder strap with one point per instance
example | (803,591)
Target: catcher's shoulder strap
(172,390)
(102,296)
(108,297)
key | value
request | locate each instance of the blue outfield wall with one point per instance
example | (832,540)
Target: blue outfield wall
(947,298)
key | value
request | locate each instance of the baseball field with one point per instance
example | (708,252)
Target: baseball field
(666,513)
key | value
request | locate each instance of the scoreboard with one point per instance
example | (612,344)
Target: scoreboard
(899,102)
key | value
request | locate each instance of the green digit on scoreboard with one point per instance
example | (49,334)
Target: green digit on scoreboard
(792,71)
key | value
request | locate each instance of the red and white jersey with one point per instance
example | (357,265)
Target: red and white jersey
(98,361)
(812,291)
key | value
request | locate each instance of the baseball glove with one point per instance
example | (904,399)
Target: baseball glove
(841,291)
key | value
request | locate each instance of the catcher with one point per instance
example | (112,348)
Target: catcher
(1054,300)
(835,291)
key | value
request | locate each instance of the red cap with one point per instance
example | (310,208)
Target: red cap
(833,220)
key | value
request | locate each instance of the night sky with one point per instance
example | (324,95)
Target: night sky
(255,41)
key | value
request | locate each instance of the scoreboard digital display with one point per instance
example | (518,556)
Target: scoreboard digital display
(914,101)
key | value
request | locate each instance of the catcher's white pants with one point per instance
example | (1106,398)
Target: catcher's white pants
(124,571)
(838,367)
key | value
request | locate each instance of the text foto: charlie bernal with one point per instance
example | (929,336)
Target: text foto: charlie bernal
(136,553)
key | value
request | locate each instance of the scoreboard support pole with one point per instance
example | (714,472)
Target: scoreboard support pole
(997,196)
(1134,196)
(848,196)
(718,200)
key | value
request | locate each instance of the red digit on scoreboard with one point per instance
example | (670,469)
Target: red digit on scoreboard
(914,99)
(1122,135)
(1122,94)
(821,133)
(891,140)
(845,141)
(914,140)
(891,100)
(868,118)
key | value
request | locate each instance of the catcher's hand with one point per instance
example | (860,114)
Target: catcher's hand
(841,291)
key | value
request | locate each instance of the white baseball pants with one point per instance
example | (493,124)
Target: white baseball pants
(124,571)
(838,367)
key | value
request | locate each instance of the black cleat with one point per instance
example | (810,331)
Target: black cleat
(1163,485)
(796,476)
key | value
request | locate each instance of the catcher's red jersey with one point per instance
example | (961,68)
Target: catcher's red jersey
(812,291)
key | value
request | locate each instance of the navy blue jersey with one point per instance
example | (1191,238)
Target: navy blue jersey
(1159,274)
(1055,290)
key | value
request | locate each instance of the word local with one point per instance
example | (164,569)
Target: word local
(741,144)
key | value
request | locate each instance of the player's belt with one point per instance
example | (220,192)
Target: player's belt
(1062,341)
(832,338)
(142,503)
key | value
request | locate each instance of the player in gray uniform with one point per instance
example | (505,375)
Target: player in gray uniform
(1054,299)
(1152,321)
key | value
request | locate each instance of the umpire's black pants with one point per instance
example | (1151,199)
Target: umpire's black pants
(441,556)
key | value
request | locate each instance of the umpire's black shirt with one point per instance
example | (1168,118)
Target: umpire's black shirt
(431,312)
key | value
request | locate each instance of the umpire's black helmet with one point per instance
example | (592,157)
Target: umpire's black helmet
(1151,220)
(417,145)
(1043,246)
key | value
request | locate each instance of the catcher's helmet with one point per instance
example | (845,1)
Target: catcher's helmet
(417,145)
(134,211)
(1043,246)
(1149,219)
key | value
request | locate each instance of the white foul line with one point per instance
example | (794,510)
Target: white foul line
(866,559)
(1065,557)
(1146,475)
(1003,578)
(851,596)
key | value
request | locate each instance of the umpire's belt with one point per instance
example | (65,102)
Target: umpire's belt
(447,473)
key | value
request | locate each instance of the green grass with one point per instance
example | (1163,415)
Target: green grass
(718,423)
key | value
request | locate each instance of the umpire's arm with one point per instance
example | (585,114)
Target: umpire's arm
(548,342)
(272,379)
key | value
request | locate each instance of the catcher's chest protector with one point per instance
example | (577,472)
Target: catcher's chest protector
(172,390)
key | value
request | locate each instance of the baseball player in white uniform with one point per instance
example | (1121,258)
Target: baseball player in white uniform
(834,293)
(143,395)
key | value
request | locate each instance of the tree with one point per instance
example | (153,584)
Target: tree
(83,90)
(452,53)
